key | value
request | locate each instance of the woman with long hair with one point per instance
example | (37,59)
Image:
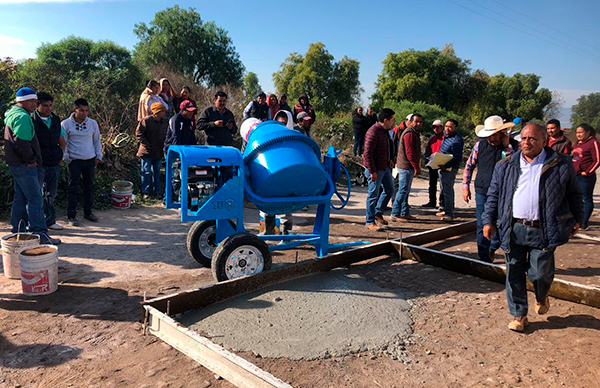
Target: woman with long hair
(167,95)
(586,159)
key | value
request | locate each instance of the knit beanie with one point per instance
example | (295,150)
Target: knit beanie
(157,107)
(25,94)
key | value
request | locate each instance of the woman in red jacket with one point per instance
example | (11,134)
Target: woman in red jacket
(586,159)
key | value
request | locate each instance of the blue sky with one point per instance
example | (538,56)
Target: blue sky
(497,37)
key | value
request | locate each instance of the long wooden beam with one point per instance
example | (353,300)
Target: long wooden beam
(561,289)
(439,234)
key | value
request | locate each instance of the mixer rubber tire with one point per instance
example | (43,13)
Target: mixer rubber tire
(229,245)
(193,241)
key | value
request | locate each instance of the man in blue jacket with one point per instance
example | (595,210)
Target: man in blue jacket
(536,202)
(452,144)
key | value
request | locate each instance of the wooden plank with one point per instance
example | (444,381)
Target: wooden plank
(231,367)
(561,289)
(439,234)
(204,296)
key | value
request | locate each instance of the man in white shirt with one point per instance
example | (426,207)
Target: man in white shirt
(536,202)
(83,152)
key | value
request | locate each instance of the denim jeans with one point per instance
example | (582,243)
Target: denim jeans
(359,141)
(448,178)
(79,169)
(151,174)
(484,246)
(48,178)
(526,257)
(400,207)
(27,208)
(587,184)
(374,200)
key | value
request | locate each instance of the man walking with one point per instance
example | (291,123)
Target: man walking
(433,146)
(218,122)
(378,159)
(23,156)
(536,201)
(52,145)
(493,146)
(409,165)
(257,108)
(453,144)
(83,153)
(557,139)
(151,134)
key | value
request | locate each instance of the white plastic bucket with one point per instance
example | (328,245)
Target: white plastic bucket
(121,194)
(39,270)
(12,244)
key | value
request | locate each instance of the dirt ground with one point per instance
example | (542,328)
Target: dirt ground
(88,333)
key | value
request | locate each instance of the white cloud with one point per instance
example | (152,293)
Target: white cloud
(15,48)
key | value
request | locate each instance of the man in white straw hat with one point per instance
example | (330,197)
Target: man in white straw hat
(492,146)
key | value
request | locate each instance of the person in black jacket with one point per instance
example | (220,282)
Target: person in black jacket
(361,125)
(218,122)
(258,108)
(52,145)
(181,127)
(372,116)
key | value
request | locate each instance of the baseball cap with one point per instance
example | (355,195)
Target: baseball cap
(188,105)
(437,123)
(409,117)
(303,116)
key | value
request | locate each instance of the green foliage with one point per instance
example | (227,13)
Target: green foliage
(333,130)
(179,39)
(251,86)
(332,86)
(433,76)
(587,110)
(8,69)
(509,97)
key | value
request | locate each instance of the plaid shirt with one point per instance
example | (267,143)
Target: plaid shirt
(472,163)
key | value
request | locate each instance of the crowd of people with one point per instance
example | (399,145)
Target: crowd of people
(533,189)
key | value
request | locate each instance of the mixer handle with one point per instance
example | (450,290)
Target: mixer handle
(337,193)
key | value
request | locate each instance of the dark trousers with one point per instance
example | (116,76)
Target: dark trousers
(359,142)
(434,177)
(527,258)
(484,246)
(81,170)
(48,178)
(27,209)
(587,184)
(448,178)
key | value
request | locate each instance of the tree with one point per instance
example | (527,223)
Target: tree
(102,72)
(251,86)
(8,69)
(509,97)
(587,110)
(178,38)
(433,76)
(552,110)
(332,86)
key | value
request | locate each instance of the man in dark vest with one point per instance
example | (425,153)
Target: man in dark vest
(493,145)
(408,163)
(52,145)
(258,108)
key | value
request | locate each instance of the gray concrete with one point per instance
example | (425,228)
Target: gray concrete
(324,315)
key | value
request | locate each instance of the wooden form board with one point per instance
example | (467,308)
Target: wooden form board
(561,289)
(244,374)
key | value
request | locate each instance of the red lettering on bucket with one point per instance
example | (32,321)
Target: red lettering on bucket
(35,282)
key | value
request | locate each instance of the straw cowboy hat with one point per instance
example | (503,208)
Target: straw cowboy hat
(492,125)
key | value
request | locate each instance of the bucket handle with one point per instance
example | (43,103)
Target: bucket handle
(19,229)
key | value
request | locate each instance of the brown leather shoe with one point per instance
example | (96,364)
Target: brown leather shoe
(542,308)
(374,227)
(518,324)
(402,218)
(380,220)
(441,213)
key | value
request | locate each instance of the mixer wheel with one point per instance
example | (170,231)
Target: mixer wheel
(201,241)
(240,255)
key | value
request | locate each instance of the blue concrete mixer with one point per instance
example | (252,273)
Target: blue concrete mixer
(280,172)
